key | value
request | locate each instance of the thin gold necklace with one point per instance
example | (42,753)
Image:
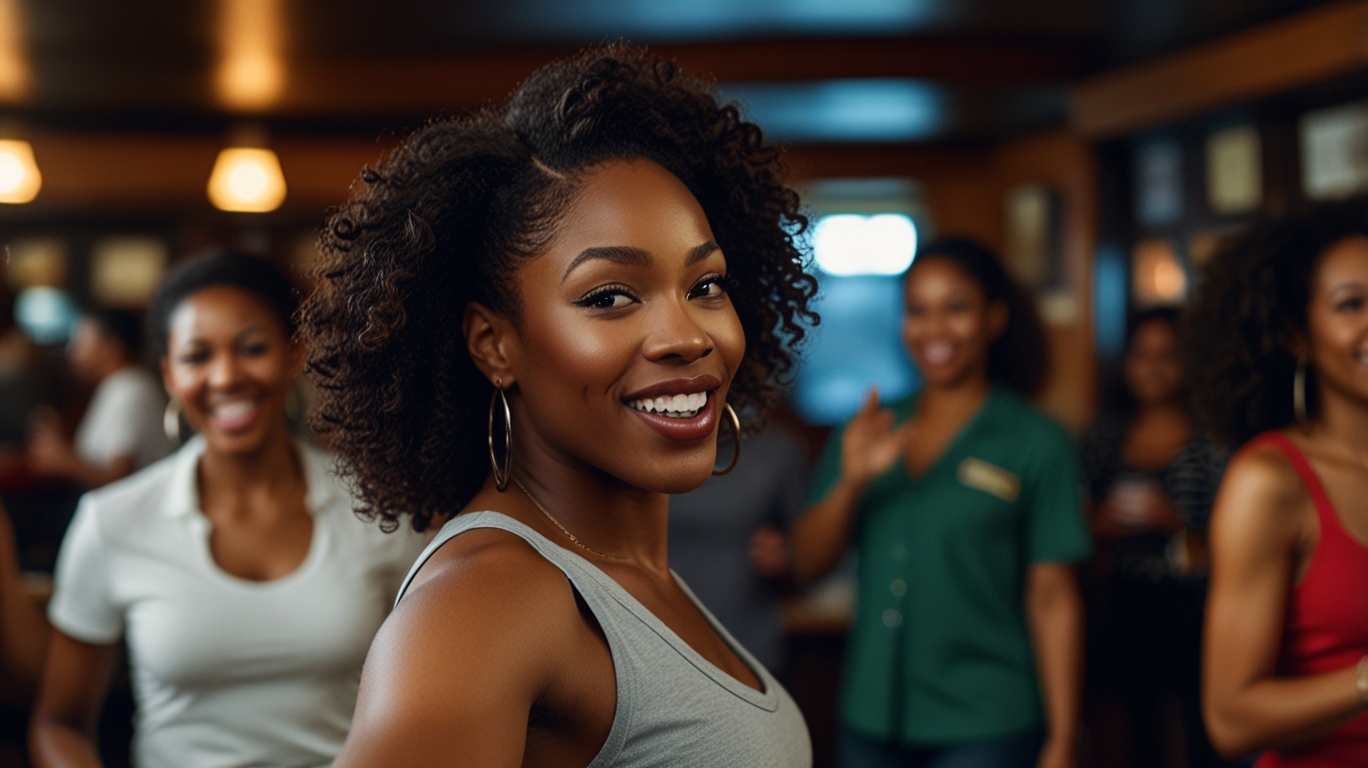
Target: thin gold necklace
(556,523)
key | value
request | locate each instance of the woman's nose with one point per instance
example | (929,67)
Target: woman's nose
(676,335)
(223,371)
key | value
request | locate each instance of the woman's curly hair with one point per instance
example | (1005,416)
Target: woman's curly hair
(1249,310)
(450,215)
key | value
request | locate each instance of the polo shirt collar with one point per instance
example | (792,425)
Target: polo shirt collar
(182,493)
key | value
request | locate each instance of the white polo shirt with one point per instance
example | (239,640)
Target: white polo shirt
(124,418)
(228,672)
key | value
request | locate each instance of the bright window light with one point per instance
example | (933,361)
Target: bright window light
(849,244)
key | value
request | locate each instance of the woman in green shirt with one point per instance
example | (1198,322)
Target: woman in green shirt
(963,504)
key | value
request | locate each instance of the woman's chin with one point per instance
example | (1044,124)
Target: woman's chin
(676,475)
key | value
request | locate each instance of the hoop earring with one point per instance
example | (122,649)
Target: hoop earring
(501,473)
(1299,392)
(171,421)
(736,439)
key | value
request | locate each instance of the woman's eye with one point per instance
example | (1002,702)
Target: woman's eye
(255,350)
(1354,304)
(710,288)
(194,358)
(611,298)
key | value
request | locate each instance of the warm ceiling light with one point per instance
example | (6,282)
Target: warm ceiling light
(251,72)
(14,69)
(247,179)
(19,176)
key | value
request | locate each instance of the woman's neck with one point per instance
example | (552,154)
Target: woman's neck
(961,398)
(604,514)
(1341,424)
(1161,410)
(274,465)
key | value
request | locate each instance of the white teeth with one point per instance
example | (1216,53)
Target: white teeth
(234,410)
(675,406)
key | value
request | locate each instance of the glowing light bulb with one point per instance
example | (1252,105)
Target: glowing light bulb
(19,176)
(247,179)
(1169,281)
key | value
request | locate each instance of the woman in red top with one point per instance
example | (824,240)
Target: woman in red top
(1279,340)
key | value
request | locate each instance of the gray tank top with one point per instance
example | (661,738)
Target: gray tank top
(674,708)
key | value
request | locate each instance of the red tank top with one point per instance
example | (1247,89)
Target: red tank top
(1327,621)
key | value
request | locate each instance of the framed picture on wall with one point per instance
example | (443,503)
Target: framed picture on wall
(1033,247)
(1234,170)
(1334,151)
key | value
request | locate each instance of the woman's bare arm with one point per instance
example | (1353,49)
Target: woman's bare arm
(23,629)
(452,676)
(869,446)
(1054,613)
(1256,530)
(75,681)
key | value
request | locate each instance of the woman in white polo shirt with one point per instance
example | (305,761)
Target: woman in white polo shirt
(244,585)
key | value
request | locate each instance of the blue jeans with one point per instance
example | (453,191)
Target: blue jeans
(858,751)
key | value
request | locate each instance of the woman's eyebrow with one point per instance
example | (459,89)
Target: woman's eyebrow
(635,257)
(702,252)
(245,332)
(618,254)
(1345,286)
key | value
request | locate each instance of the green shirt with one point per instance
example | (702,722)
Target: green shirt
(939,651)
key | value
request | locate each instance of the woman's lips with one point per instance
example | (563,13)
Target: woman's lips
(234,417)
(696,427)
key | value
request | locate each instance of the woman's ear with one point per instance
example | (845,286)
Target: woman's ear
(998,316)
(164,364)
(491,341)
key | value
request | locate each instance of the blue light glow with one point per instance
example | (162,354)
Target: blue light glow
(858,344)
(842,110)
(46,314)
(657,20)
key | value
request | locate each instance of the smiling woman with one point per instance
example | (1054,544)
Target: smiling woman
(246,589)
(608,262)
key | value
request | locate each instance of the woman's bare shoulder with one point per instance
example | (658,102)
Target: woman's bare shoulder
(1262,490)
(489,576)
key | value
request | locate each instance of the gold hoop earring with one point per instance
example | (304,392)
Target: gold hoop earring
(1299,392)
(171,421)
(501,473)
(736,439)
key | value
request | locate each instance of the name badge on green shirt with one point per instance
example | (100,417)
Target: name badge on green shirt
(979,474)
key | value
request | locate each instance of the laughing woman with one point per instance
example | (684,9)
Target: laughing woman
(245,587)
(597,275)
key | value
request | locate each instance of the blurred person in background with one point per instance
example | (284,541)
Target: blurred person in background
(121,431)
(536,317)
(1152,480)
(963,505)
(23,630)
(245,586)
(1278,341)
(729,540)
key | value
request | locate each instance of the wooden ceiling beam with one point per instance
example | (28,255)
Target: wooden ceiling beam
(1301,50)
(144,172)
(425,85)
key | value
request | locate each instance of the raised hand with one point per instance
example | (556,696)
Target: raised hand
(870,444)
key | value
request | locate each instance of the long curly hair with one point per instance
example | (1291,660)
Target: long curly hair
(449,216)
(1020,356)
(1249,309)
